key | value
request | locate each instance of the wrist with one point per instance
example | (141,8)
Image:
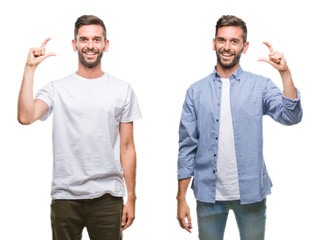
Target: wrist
(285,73)
(131,198)
(30,68)
(181,198)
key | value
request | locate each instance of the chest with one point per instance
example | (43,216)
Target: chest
(243,99)
(88,101)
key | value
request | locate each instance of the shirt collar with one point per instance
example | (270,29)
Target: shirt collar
(236,75)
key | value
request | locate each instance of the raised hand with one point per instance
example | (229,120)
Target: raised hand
(37,55)
(276,59)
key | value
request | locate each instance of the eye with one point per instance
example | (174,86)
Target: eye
(235,41)
(83,40)
(97,40)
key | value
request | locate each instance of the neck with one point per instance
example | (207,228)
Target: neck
(226,72)
(90,73)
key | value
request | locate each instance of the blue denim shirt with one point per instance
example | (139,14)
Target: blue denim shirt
(251,97)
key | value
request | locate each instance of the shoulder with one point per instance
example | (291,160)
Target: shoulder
(201,84)
(117,82)
(63,80)
(249,76)
(120,88)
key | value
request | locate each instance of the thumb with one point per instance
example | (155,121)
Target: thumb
(267,61)
(189,220)
(124,219)
(49,55)
(42,58)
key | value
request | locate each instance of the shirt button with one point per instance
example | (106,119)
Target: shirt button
(214,171)
(214,155)
(216,138)
(217,120)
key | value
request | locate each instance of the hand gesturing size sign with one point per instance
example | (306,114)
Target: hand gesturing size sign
(276,59)
(37,55)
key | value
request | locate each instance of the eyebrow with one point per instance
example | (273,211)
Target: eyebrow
(232,39)
(95,37)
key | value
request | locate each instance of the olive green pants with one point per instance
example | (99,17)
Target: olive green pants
(101,216)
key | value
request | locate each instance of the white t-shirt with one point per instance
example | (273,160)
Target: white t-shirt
(227,188)
(86,141)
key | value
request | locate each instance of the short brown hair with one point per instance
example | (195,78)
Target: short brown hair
(89,20)
(230,20)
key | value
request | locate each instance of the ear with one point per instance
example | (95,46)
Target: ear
(245,47)
(106,46)
(214,44)
(74,45)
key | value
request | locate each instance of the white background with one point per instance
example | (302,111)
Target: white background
(160,48)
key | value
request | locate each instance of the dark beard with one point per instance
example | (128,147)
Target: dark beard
(90,64)
(233,63)
(230,65)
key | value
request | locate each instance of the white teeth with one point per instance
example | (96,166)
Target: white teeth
(90,53)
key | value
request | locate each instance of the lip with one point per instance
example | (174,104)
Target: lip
(226,56)
(90,55)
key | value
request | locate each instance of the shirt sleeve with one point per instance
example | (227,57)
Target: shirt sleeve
(131,109)
(282,109)
(188,139)
(46,94)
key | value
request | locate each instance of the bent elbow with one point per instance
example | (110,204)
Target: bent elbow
(293,120)
(23,120)
(299,117)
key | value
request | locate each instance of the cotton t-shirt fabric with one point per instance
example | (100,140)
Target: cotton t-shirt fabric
(86,141)
(227,188)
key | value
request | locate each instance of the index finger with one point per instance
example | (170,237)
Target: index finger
(184,225)
(269,46)
(45,42)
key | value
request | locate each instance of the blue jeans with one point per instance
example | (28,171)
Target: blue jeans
(212,219)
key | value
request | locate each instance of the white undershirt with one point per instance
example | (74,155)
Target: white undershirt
(227,187)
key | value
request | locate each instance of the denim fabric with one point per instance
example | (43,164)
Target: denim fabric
(212,219)
(251,97)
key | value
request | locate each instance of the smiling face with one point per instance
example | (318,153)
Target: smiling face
(90,44)
(229,46)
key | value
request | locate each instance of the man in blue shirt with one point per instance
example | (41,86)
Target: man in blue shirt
(220,142)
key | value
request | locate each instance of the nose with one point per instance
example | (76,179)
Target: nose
(227,45)
(90,44)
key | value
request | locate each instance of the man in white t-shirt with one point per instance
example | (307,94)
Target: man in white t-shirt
(93,147)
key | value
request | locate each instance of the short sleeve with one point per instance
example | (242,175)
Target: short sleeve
(46,94)
(131,110)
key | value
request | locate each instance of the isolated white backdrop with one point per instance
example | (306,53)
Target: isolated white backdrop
(160,48)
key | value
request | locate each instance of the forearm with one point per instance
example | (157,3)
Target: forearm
(182,189)
(289,89)
(26,100)
(183,211)
(128,162)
